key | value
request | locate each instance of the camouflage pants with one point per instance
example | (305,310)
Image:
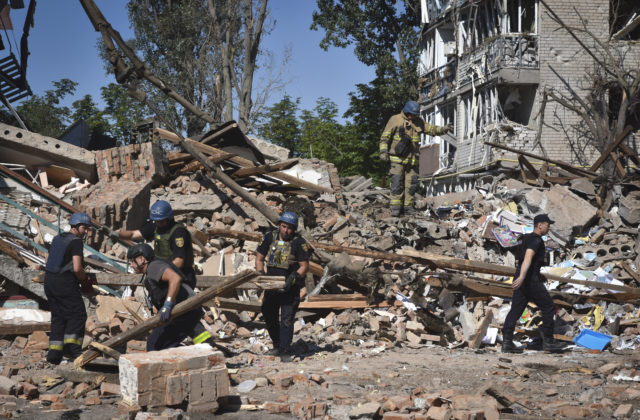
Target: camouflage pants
(404,184)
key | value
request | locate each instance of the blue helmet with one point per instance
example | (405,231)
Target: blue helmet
(79,218)
(411,107)
(161,210)
(289,217)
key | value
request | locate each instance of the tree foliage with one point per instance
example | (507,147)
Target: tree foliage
(123,111)
(317,134)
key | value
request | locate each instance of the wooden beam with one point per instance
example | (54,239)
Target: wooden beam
(23,329)
(180,309)
(566,166)
(195,165)
(244,162)
(263,169)
(104,349)
(605,154)
(255,237)
(219,133)
(525,162)
(631,272)
(476,340)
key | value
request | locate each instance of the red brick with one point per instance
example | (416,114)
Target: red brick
(58,406)
(38,340)
(92,401)
(50,397)
(283,381)
(398,416)
(107,388)
(623,411)
(29,390)
(128,410)
(276,408)
(439,413)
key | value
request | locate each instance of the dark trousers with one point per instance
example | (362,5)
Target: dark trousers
(530,291)
(279,311)
(173,333)
(68,316)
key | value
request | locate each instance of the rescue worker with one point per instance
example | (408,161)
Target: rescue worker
(400,145)
(166,287)
(171,240)
(528,285)
(282,253)
(62,279)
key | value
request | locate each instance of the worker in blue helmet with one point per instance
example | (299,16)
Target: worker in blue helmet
(400,147)
(165,288)
(282,252)
(171,240)
(64,272)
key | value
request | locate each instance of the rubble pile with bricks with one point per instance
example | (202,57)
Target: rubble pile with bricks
(436,282)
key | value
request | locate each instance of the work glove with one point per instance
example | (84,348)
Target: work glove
(165,311)
(291,281)
(112,234)
(384,156)
(86,286)
(448,128)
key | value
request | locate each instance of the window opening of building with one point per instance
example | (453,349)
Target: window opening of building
(624,20)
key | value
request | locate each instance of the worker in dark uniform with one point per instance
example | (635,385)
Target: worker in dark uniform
(166,287)
(528,285)
(171,240)
(400,145)
(64,274)
(282,253)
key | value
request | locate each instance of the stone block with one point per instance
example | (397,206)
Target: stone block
(488,405)
(367,410)
(8,386)
(276,407)
(439,413)
(146,377)
(623,411)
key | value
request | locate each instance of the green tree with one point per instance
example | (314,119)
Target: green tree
(44,114)
(384,34)
(280,125)
(87,110)
(123,111)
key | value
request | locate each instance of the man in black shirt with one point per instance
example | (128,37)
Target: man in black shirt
(64,273)
(528,285)
(283,253)
(166,287)
(171,240)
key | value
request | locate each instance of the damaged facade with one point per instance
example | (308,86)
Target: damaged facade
(483,68)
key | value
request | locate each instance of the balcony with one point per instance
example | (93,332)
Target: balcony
(438,82)
(505,52)
(436,8)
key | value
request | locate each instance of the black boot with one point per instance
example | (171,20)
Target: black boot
(509,347)
(551,345)
(396,211)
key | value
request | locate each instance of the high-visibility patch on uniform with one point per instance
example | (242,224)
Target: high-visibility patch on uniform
(201,338)
(180,242)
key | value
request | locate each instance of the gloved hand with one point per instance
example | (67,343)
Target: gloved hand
(165,311)
(112,234)
(86,286)
(448,128)
(384,156)
(291,281)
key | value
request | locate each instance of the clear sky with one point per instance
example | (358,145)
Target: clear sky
(63,45)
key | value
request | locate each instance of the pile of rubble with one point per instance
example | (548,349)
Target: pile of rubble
(439,280)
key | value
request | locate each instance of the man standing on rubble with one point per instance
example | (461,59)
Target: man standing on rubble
(528,285)
(62,279)
(171,240)
(400,145)
(166,287)
(283,253)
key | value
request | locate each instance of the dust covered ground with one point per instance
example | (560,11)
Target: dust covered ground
(406,380)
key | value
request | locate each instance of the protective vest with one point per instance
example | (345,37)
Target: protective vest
(279,255)
(57,251)
(162,246)
(158,289)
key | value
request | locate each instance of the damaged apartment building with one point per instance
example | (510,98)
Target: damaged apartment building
(483,67)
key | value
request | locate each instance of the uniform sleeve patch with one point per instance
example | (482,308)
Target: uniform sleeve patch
(179,242)
(305,247)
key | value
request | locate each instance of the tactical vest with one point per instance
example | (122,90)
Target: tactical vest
(279,255)
(158,289)
(162,246)
(57,251)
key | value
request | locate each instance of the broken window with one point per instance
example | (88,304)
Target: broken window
(521,16)
(624,19)
(517,101)
(478,111)
(633,111)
